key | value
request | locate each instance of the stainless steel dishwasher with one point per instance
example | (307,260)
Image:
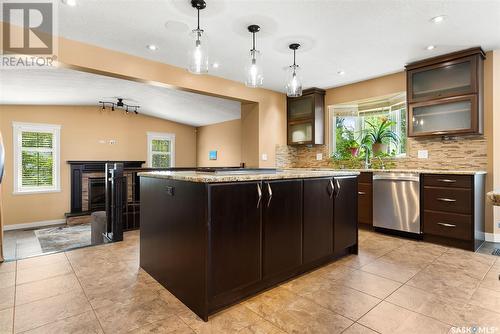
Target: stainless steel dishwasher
(396,201)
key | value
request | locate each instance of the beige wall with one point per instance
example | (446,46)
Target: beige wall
(82,129)
(223,137)
(494,151)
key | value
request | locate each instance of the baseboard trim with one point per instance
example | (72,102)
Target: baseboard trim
(34,224)
(492,237)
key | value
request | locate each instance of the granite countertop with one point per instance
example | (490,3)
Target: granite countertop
(494,197)
(418,171)
(203,177)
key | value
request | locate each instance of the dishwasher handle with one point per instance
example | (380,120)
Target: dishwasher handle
(410,178)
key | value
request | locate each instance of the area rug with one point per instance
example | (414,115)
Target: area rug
(54,239)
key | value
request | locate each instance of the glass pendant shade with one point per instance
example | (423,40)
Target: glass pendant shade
(253,70)
(293,83)
(198,54)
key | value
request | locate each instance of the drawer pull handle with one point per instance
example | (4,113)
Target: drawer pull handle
(361,193)
(447,180)
(447,225)
(448,200)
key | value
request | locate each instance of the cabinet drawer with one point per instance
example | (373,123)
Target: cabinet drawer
(448,225)
(447,180)
(448,199)
(365,177)
(365,203)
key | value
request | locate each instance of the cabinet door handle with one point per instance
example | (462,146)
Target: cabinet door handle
(448,200)
(270,193)
(447,225)
(447,180)
(259,193)
(337,184)
(332,187)
(361,193)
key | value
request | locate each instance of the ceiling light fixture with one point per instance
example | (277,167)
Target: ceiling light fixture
(152,47)
(215,65)
(430,47)
(71,3)
(438,19)
(253,69)
(119,104)
(341,72)
(293,84)
(198,54)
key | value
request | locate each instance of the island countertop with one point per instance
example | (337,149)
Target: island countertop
(403,170)
(204,177)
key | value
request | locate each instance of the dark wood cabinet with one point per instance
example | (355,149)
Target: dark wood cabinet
(453,209)
(318,219)
(365,198)
(445,94)
(305,118)
(345,231)
(282,226)
(235,236)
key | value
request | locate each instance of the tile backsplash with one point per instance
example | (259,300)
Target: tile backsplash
(460,153)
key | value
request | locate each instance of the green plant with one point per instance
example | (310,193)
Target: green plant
(380,132)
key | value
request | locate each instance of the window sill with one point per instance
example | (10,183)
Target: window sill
(36,192)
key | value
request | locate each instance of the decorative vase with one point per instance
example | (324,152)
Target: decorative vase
(379,147)
(354,151)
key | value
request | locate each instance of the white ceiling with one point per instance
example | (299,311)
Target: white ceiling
(68,87)
(364,38)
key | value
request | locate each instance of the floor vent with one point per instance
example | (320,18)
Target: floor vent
(496,252)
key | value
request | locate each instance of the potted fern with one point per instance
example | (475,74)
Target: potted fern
(379,134)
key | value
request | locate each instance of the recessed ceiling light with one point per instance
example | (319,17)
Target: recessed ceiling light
(71,3)
(430,47)
(152,47)
(215,65)
(438,19)
(341,72)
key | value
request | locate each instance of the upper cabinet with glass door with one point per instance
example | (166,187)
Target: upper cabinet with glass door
(445,94)
(305,118)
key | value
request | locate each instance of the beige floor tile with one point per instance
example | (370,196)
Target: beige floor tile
(448,311)
(357,261)
(6,320)
(7,279)
(345,301)
(261,327)
(123,318)
(492,279)
(444,281)
(389,318)
(41,261)
(30,292)
(474,264)
(335,270)
(170,325)
(45,311)
(396,272)
(7,297)
(38,273)
(304,316)
(309,283)
(85,323)
(487,299)
(7,267)
(358,329)
(271,301)
(371,284)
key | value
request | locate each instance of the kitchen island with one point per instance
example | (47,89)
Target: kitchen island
(213,239)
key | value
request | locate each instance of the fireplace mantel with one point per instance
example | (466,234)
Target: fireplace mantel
(78,168)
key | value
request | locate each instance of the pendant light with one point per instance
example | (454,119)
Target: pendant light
(198,54)
(293,83)
(253,69)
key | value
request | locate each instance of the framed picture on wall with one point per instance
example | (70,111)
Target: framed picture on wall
(212,155)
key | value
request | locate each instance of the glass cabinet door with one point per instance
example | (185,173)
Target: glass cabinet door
(454,116)
(300,133)
(451,79)
(301,108)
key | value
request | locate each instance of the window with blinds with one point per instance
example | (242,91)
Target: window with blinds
(161,150)
(36,158)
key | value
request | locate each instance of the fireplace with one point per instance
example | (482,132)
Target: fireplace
(97,194)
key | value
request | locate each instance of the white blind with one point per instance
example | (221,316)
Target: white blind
(37,159)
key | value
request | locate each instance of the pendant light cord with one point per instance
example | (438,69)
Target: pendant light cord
(198,19)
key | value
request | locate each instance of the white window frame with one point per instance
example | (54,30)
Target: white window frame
(161,136)
(55,130)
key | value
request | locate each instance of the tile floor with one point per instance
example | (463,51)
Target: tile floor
(392,286)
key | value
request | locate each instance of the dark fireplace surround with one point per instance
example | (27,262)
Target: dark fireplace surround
(88,185)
